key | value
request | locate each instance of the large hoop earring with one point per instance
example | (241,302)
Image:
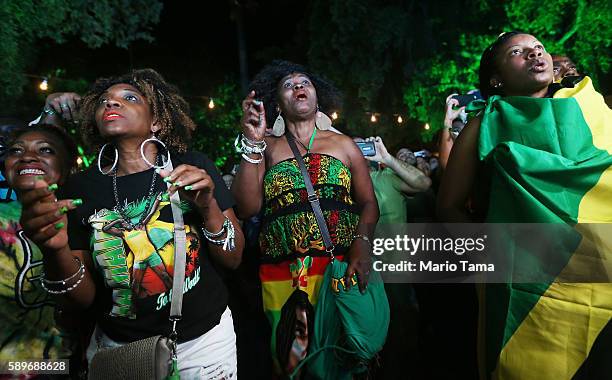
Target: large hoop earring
(100,160)
(155,140)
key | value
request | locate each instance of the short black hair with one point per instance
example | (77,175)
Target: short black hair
(168,107)
(488,66)
(265,85)
(65,143)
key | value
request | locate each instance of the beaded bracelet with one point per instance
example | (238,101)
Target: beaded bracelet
(229,242)
(364,238)
(80,271)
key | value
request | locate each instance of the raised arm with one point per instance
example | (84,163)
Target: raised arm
(459,175)
(247,187)
(413,180)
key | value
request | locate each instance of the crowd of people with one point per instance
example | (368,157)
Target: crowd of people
(278,266)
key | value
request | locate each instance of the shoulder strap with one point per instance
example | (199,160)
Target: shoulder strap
(312,196)
(180,249)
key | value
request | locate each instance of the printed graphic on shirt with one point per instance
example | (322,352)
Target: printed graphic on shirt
(136,253)
(26,316)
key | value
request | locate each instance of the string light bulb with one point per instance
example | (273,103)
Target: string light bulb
(426,126)
(399,119)
(373,118)
(211,104)
(44,85)
(334,115)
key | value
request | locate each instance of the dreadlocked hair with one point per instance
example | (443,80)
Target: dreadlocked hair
(170,111)
(488,65)
(265,85)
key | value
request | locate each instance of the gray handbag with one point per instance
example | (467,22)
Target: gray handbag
(150,358)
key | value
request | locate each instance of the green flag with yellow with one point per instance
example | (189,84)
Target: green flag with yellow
(550,161)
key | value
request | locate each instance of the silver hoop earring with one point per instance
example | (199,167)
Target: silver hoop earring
(100,160)
(155,140)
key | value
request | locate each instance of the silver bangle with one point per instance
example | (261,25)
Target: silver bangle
(252,160)
(229,242)
(244,145)
(80,271)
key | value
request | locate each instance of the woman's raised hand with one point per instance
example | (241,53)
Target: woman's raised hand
(65,104)
(43,217)
(194,184)
(253,118)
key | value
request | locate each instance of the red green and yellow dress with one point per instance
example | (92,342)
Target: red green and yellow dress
(293,253)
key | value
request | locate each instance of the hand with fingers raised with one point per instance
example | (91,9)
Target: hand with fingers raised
(64,104)
(192,183)
(43,217)
(253,118)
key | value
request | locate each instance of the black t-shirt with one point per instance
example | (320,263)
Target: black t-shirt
(136,265)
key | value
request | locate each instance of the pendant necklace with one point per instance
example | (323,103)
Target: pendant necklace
(312,137)
(121,210)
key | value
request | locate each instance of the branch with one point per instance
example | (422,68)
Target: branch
(574,29)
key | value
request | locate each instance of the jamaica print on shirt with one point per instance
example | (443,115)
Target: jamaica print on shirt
(139,261)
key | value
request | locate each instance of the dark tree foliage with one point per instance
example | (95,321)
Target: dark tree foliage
(96,22)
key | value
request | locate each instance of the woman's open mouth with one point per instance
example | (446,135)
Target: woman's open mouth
(539,66)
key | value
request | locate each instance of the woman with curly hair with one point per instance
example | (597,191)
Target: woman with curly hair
(294,102)
(117,247)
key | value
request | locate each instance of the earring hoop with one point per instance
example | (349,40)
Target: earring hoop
(158,141)
(100,160)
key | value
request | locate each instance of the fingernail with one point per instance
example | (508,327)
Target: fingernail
(59,225)
(63,210)
(52,187)
(158,170)
(167,179)
(177,184)
(165,196)
(188,187)
(77,202)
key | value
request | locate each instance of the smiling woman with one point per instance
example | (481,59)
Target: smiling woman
(29,330)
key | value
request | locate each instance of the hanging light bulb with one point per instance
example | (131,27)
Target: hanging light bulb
(373,118)
(400,120)
(44,85)
(211,104)
(334,115)
(426,126)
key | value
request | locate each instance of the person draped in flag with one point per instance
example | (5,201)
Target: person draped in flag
(539,153)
